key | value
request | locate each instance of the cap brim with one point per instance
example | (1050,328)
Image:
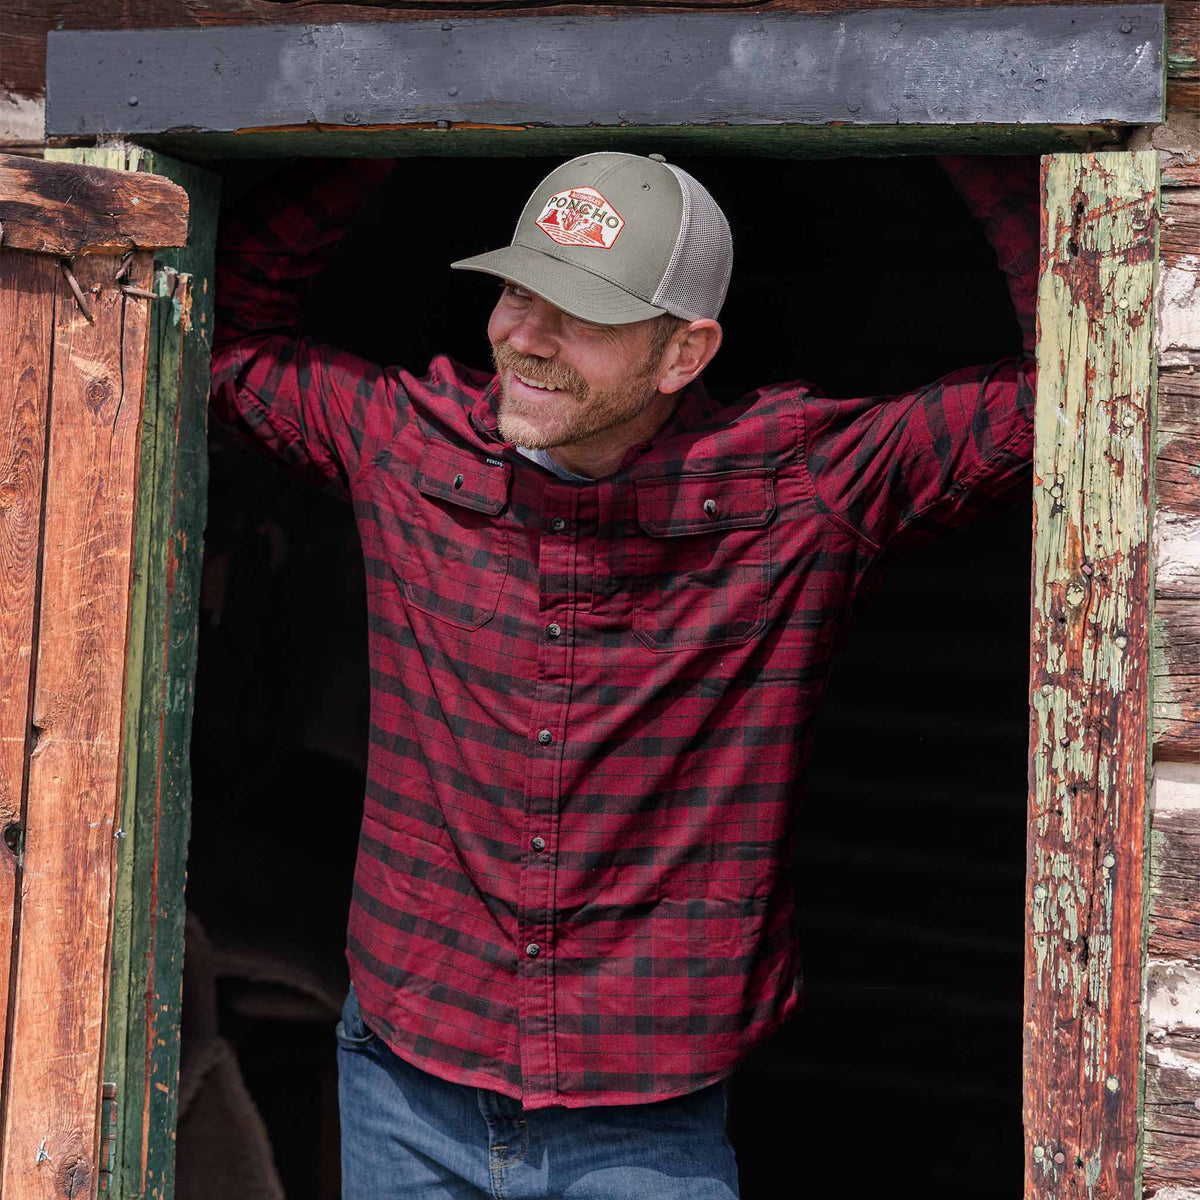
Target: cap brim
(566,286)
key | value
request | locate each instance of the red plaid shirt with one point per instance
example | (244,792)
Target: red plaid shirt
(592,703)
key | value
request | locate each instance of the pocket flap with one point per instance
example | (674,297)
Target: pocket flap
(464,477)
(685,504)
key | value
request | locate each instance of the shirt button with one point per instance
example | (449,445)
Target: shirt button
(533,949)
(545,737)
(538,843)
(554,630)
(558,524)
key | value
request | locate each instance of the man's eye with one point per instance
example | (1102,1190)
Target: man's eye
(515,290)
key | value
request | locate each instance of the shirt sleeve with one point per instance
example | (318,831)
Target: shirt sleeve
(898,469)
(319,410)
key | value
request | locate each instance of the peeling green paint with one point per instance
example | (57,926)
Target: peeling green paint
(142,1039)
(1089,680)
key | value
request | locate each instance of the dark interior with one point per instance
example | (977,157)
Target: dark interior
(864,276)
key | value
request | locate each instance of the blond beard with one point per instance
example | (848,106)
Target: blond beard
(585,413)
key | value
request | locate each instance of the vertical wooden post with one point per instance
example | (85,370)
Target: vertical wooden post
(57,1014)
(1090,676)
(76,266)
(142,1044)
(27,285)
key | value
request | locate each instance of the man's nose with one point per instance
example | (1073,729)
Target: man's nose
(533,334)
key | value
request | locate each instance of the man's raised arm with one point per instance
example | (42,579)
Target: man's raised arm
(316,408)
(900,468)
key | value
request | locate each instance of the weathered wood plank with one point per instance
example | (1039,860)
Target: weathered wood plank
(1172,1119)
(63,208)
(1089,675)
(1177,683)
(50,1136)
(142,1049)
(1051,65)
(1179,300)
(27,284)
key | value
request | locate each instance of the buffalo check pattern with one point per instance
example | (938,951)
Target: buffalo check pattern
(592,703)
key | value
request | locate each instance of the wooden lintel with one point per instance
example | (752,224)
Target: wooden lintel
(1041,65)
(66,209)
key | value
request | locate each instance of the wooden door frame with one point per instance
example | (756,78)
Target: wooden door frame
(75,272)
(1090,612)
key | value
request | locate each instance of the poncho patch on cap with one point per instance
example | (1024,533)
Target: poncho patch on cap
(581,217)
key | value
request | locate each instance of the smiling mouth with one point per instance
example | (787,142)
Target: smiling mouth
(548,388)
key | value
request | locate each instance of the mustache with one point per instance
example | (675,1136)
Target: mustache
(541,370)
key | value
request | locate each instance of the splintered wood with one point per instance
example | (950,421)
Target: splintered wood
(73,349)
(61,208)
(1090,664)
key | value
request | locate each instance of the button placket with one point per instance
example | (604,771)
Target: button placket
(557,565)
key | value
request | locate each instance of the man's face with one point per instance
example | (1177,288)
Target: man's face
(562,379)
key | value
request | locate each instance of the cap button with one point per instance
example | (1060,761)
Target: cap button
(656,157)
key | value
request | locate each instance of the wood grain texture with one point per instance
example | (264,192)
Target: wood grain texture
(1048,66)
(50,1136)
(1177,473)
(142,1045)
(27,284)
(1172,1118)
(63,208)
(1089,676)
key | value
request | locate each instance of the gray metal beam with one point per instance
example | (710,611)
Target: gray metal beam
(1045,66)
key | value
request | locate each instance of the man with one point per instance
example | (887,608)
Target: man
(601,611)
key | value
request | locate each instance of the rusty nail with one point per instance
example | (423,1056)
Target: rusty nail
(135,291)
(123,269)
(78,291)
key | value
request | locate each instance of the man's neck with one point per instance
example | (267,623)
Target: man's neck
(603,453)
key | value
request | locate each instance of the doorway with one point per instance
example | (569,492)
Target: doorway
(866,277)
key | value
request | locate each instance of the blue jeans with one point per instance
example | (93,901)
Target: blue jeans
(408,1135)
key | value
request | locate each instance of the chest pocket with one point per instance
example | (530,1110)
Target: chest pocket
(452,553)
(703,565)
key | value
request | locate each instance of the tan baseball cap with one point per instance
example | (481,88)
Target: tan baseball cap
(615,238)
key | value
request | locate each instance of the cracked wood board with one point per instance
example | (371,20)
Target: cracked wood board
(1172,1118)
(58,994)
(142,1046)
(27,283)
(1089,675)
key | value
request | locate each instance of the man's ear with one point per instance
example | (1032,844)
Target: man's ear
(688,352)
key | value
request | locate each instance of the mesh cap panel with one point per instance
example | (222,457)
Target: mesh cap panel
(697,277)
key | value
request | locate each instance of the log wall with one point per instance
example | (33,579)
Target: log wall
(1172,996)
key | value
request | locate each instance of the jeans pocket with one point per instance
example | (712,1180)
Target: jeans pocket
(352,1031)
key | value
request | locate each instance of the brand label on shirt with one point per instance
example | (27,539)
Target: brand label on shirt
(581,217)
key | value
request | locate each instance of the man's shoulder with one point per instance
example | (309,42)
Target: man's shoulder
(759,429)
